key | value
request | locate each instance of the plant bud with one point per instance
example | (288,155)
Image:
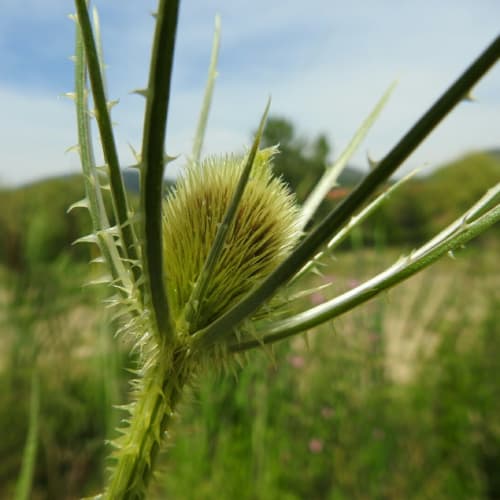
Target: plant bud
(263,232)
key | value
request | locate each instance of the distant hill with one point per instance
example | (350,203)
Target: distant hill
(428,204)
(35,225)
(494,152)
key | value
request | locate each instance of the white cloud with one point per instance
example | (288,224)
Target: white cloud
(325,67)
(35,131)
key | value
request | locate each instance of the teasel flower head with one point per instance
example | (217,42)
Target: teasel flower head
(264,231)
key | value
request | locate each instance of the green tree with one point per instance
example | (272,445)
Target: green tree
(300,162)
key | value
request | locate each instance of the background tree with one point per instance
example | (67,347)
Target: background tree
(300,162)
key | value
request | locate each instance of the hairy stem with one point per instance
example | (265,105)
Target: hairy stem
(153,166)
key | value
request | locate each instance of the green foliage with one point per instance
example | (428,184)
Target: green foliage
(339,419)
(418,211)
(25,479)
(300,163)
(414,214)
(37,227)
(459,182)
(36,224)
(46,323)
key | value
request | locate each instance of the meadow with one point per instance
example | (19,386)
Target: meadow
(398,399)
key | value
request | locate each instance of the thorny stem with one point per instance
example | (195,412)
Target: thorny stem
(94,199)
(159,393)
(107,138)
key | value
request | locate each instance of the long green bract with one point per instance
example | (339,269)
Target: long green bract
(340,215)
(206,274)
(456,235)
(329,178)
(207,98)
(153,165)
(94,200)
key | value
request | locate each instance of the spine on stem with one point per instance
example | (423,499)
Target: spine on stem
(157,394)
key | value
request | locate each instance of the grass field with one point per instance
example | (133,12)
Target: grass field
(399,399)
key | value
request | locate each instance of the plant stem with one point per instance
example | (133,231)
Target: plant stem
(153,166)
(158,395)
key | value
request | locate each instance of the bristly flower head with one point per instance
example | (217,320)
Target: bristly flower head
(264,231)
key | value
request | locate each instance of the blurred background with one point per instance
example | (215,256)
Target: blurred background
(399,399)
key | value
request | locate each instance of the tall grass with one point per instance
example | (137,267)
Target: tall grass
(52,334)
(397,400)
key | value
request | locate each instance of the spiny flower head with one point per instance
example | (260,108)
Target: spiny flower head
(263,232)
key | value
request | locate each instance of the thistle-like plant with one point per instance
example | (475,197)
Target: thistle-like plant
(204,272)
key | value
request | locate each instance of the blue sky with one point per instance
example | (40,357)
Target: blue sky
(325,65)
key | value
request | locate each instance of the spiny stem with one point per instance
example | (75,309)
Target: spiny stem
(96,208)
(153,165)
(160,392)
(119,197)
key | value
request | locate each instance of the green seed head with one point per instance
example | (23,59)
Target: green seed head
(263,232)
